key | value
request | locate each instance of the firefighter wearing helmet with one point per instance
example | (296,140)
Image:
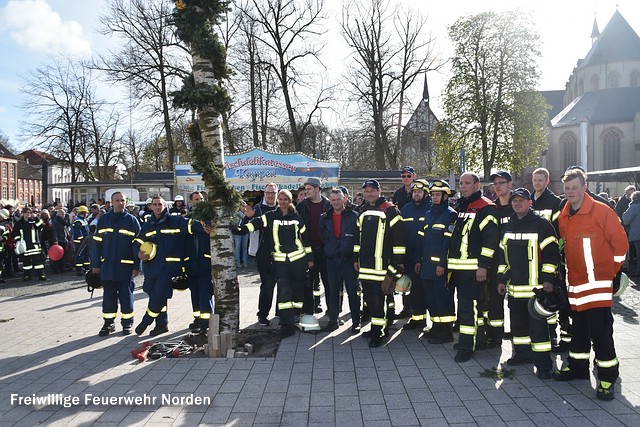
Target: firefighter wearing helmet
(431,265)
(26,233)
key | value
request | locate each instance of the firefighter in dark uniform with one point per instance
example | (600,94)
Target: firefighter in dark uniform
(198,269)
(413,214)
(433,245)
(168,233)
(529,258)
(474,242)
(80,231)
(292,256)
(547,205)
(28,229)
(494,311)
(113,257)
(379,254)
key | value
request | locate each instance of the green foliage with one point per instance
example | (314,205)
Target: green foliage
(218,187)
(494,63)
(195,21)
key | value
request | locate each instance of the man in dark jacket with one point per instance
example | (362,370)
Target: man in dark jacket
(338,231)
(113,257)
(310,209)
(402,195)
(28,229)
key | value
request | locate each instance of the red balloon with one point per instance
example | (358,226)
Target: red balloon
(56,252)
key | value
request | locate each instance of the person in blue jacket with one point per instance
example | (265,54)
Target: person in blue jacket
(198,268)
(113,257)
(338,230)
(168,233)
(413,214)
(433,241)
(80,231)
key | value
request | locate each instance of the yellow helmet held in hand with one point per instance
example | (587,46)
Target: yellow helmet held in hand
(150,249)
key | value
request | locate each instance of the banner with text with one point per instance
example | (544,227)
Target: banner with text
(254,169)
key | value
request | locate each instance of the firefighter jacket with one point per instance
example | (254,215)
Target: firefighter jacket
(169,233)
(595,245)
(504,212)
(288,235)
(529,254)
(80,229)
(433,239)
(547,206)
(476,236)
(113,250)
(198,249)
(263,254)
(381,244)
(29,231)
(413,216)
(4,236)
(339,247)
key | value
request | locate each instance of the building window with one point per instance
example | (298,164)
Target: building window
(4,171)
(613,79)
(595,82)
(611,149)
(12,192)
(4,191)
(12,173)
(634,80)
(569,150)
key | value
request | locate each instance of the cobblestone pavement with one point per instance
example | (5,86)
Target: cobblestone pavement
(51,350)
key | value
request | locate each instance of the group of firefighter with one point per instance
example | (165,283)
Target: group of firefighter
(523,245)
(542,252)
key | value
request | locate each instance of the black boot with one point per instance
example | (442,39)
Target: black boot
(444,333)
(107,328)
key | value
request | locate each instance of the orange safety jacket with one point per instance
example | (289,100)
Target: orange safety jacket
(595,245)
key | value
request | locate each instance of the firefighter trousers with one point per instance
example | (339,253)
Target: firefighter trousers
(319,271)
(81,259)
(530,335)
(439,299)
(201,288)
(267,287)
(290,277)
(375,300)
(594,325)
(114,292)
(419,300)
(494,310)
(159,291)
(33,263)
(470,319)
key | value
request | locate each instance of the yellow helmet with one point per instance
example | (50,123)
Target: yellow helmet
(83,209)
(149,248)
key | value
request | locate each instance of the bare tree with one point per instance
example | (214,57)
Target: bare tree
(55,107)
(389,52)
(151,59)
(291,31)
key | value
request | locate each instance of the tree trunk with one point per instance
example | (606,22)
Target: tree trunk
(223,270)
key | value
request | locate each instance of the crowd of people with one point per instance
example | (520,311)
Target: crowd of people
(463,254)
(464,257)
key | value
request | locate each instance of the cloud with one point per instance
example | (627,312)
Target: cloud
(35,25)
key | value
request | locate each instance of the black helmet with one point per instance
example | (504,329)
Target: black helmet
(545,304)
(180,283)
(93,281)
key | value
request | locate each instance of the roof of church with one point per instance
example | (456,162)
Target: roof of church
(618,104)
(555,99)
(617,42)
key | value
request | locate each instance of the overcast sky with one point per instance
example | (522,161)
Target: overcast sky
(31,31)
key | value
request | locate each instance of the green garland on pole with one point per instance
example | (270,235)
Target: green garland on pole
(195,22)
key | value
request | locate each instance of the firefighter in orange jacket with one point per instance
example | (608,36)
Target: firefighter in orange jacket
(595,245)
